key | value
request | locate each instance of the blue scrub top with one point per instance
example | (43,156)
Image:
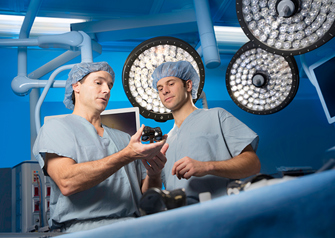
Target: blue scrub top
(74,137)
(206,135)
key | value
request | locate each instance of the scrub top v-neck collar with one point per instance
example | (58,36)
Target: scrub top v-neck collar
(86,121)
(188,118)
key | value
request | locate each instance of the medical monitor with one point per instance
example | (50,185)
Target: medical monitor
(322,75)
(124,119)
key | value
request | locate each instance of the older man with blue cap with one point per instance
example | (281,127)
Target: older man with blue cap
(98,174)
(207,147)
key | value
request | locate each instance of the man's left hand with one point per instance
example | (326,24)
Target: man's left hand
(155,165)
(187,167)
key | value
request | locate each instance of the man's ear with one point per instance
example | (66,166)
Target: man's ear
(189,85)
(76,87)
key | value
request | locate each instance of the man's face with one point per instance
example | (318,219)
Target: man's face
(173,92)
(94,91)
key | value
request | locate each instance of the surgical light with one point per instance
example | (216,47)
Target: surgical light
(140,64)
(287,27)
(261,82)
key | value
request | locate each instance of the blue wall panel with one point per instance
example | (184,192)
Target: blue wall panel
(296,136)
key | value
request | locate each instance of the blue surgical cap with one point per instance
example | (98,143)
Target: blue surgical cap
(180,69)
(78,72)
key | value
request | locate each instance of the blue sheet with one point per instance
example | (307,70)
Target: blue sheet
(303,207)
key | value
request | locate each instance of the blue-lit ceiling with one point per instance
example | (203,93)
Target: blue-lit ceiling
(126,29)
(124,34)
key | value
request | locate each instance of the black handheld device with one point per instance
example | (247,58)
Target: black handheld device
(152,134)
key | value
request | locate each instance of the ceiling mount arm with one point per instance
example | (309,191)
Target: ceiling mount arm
(206,32)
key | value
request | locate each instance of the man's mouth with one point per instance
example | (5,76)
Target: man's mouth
(104,99)
(168,99)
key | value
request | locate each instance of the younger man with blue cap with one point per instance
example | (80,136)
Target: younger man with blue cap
(96,172)
(207,147)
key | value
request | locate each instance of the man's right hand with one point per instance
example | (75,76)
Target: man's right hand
(137,150)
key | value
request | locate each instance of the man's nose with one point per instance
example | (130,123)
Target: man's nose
(165,90)
(106,88)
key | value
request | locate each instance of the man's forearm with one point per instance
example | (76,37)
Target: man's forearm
(74,177)
(151,182)
(241,166)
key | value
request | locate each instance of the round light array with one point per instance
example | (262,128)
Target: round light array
(140,64)
(261,82)
(287,27)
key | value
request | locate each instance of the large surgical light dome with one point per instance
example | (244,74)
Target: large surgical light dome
(141,63)
(261,82)
(287,27)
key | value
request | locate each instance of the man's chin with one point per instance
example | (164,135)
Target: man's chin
(166,105)
(102,108)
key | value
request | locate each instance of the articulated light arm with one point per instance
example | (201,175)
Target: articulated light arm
(22,84)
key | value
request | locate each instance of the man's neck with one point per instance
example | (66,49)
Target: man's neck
(182,113)
(92,117)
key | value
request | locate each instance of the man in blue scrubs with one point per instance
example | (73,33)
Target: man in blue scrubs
(207,147)
(98,174)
